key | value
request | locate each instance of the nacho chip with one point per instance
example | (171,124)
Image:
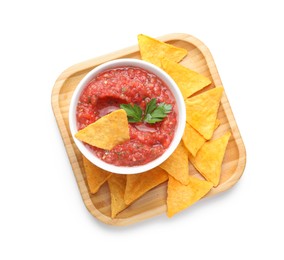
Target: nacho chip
(95,176)
(153,50)
(187,80)
(192,140)
(117,184)
(182,196)
(106,132)
(208,160)
(138,184)
(177,164)
(201,111)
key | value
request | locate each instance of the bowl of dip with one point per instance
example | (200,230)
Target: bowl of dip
(129,81)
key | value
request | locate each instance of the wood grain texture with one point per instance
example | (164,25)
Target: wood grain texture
(153,202)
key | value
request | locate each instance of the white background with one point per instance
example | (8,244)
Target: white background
(42,215)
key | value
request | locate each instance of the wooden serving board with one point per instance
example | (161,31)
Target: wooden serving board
(153,202)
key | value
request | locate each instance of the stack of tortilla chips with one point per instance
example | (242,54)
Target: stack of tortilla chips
(197,147)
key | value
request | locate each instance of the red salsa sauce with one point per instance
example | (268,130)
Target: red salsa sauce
(128,85)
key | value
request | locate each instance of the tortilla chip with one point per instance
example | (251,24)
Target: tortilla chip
(187,80)
(177,164)
(106,132)
(201,111)
(153,50)
(208,160)
(117,184)
(95,176)
(138,184)
(192,140)
(182,196)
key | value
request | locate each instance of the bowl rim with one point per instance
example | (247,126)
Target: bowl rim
(169,82)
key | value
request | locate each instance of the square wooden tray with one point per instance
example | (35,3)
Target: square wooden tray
(153,202)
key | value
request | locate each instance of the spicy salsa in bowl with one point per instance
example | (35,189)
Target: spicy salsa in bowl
(154,106)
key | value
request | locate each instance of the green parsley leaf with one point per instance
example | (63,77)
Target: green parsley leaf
(150,107)
(151,115)
(159,113)
(167,108)
(134,113)
(150,120)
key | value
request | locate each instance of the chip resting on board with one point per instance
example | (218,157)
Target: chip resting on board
(153,50)
(208,160)
(117,184)
(177,164)
(95,176)
(202,109)
(107,132)
(182,196)
(187,80)
(138,184)
(192,140)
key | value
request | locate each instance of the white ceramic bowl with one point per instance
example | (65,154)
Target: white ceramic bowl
(150,68)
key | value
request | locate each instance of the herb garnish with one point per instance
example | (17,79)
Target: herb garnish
(153,113)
